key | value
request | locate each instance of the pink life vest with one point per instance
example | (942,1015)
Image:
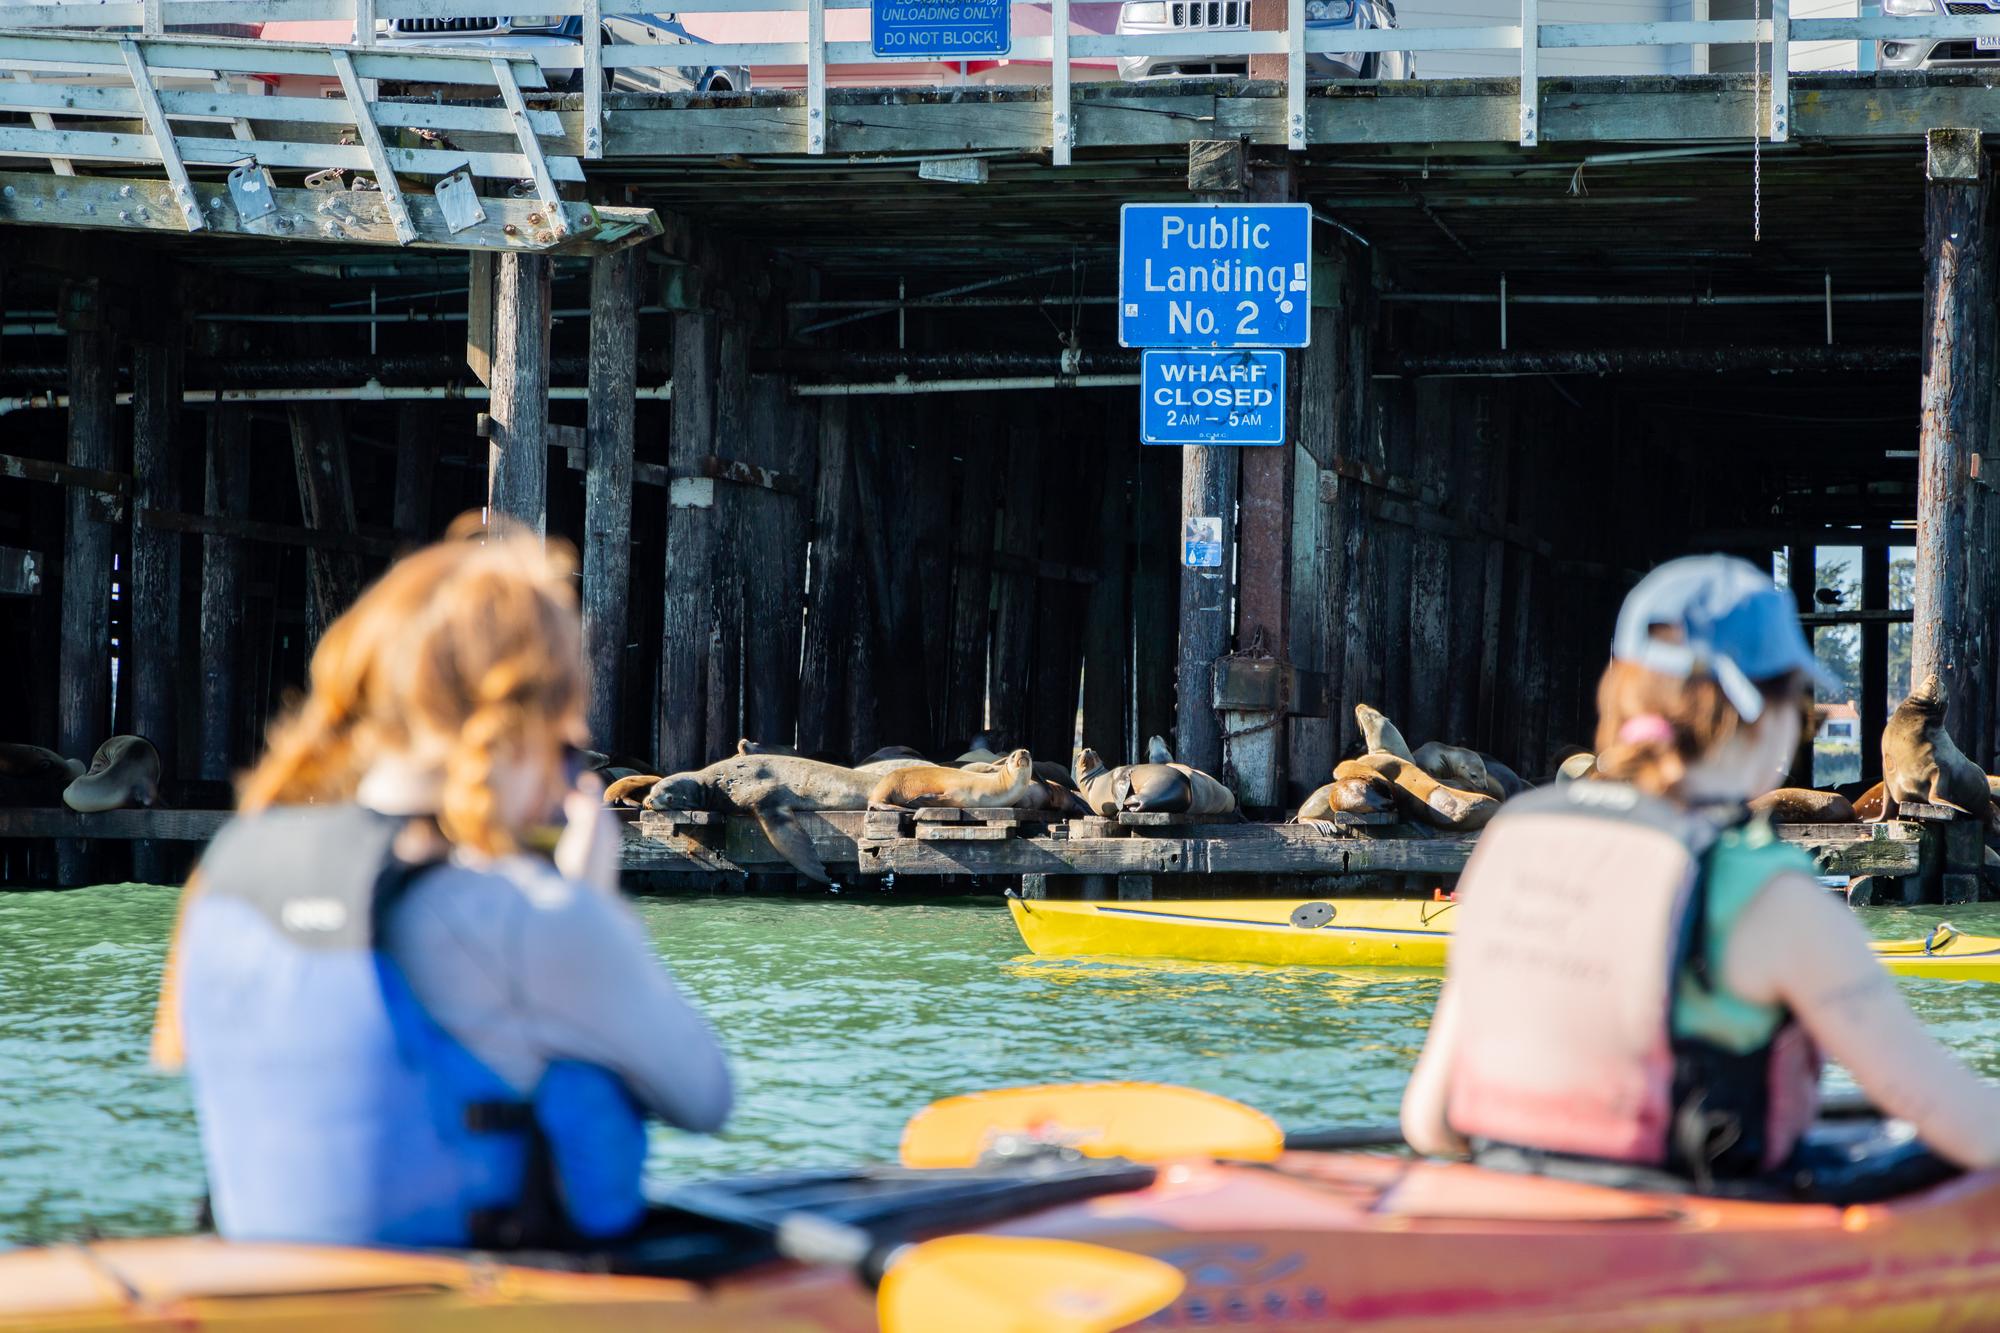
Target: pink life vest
(1580,911)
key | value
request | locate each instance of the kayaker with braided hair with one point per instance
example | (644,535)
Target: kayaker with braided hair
(1642,977)
(401,1024)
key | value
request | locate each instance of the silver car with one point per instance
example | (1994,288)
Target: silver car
(539,30)
(1931,53)
(1152,17)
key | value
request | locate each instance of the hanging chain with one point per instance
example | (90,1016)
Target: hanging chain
(1757,122)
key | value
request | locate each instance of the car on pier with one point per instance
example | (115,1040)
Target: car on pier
(1152,18)
(500,32)
(1941,52)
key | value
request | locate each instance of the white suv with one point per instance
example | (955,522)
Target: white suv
(1928,53)
(1151,17)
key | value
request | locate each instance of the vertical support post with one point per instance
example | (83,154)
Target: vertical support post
(226,494)
(1781,70)
(1295,75)
(1802,571)
(517,474)
(1531,56)
(1698,51)
(607,480)
(823,660)
(153,653)
(1945,636)
(1208,490)
(1874,701)
(326,499)
(1062,129)
(83,707)
(151,20)
(686,625)
(816,77)
(593,79)
(1864,50)
(479,315)
(416,469)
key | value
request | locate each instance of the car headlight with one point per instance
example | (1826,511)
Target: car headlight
(1908,7)
(533,21)
(1146,13)
(1329,11)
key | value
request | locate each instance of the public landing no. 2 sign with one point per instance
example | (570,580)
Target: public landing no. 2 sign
(1214,275)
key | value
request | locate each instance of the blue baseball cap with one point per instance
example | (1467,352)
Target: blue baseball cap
(1732,624)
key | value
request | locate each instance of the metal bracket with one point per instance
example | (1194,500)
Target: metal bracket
(458,201)
(330,179)
(251,189)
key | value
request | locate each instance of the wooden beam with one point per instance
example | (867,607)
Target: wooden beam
(418,427)
(607,482)
(1874,702)
(371,542)
(823,659)
(326,500)
(479,315)
(692,542)
(83,708)
(1947,638)
(104,492)
(226,498)
(152,650)
(517,475)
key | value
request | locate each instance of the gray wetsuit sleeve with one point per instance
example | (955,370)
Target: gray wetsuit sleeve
(536,969)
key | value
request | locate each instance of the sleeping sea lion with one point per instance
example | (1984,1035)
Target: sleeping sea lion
(998,787)
(746,746)
(1511,783)
(1152,786)
(1422,795)
(1369,795)
(771,788)
(31,776)
(1458,767)
(1868,805)
(1380,734)
(1803,805)
(889,752)
(630,792)
(1157,751)
(123,774)
(1920,763)
(1579,767)
(1206,795)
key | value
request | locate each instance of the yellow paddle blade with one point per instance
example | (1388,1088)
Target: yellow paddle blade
(1017,1284)
(1146,1122)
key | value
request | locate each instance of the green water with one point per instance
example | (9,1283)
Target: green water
(843,1016)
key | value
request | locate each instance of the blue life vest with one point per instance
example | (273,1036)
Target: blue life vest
(333,1109)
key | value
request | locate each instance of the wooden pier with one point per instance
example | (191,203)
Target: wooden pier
(849,450)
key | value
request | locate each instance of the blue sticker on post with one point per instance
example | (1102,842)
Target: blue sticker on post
(940,29)
(1201,543)
(1214,275)
(1203,397)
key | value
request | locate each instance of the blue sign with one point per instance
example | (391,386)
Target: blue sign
(1212,397)
(941,29)
(1214,275)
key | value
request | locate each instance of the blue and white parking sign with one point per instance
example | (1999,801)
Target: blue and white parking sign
(1203,397)
(1214,275)
(941,29)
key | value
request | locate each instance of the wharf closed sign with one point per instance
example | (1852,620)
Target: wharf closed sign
(940,29)
(1203,397)
(1214,275)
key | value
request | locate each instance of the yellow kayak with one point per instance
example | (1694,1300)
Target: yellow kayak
(1357,932)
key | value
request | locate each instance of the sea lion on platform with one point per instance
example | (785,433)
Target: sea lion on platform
(1868,804)
(889,752)
(630,792)
(31,776)
(124,774)
(1379,734)
(999,786)
(1511,783)
(1105,790)
(1803,805)
(1423,795)
(1458,767)
(770,788)
(1157,751)
(1371,794)
(1579,767)
(1921,763)
(1206,794)
(746,746)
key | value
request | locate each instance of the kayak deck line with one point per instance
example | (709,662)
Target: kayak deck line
(1277,927)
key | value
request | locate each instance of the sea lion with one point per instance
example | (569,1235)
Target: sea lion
(1920,762)
(770,788)
(1868,804)
(1369,795)
(1052,796)
(123,774)
(1422,795)
(1458,767)
(1803,805)
(630,792)
(1206,795)
(1157,751)
(1047,774)
(889,752)
(1001,786)
(746,746)
(31,776)
(1380,734)
(1579,767)
(1511,783)
(1107,790)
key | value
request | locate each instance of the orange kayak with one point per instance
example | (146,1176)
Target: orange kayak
(1311,1241)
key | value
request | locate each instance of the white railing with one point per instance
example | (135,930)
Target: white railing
(1779,32)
